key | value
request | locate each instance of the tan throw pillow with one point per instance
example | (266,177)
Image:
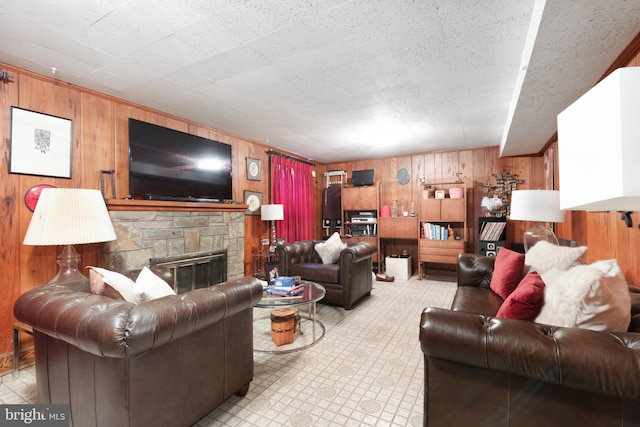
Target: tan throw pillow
(544,256)
(111,284)
(150,286)
(330,249)
(593,296)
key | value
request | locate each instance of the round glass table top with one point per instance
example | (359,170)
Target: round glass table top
(313,292)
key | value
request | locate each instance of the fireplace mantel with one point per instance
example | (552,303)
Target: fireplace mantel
(162,205)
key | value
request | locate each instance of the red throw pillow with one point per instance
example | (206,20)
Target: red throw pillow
(507,272)
(526,301)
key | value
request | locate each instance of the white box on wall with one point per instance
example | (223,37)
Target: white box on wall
(399,268)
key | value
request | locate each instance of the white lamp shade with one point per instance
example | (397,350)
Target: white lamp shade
(69,216)
(599,146)
(272,212)
(536,205)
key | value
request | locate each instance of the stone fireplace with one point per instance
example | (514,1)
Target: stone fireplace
(160,230)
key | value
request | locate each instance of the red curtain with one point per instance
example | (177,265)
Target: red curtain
(292,186)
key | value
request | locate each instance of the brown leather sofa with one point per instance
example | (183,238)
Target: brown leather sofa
(346,281)
(166,362)
(485,371)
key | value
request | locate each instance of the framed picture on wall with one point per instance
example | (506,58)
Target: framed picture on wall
(254,200)
(253,169)
(40,144)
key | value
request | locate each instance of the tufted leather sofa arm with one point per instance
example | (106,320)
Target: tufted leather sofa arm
(357,252)
(106,327)
(475,270)
(605,363)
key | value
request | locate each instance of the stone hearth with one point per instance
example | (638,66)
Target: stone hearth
(142,235)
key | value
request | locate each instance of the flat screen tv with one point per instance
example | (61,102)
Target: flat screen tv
(362,178)
(166,164)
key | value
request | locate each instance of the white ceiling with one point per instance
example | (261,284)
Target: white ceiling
(334,80)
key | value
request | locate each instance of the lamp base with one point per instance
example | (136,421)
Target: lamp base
(68,261)
(536,234)
(272,247)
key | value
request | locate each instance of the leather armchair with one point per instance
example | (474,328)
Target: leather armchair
(165,362)
(346,281)
(486,371)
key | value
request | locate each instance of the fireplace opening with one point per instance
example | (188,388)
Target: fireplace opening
(195,271)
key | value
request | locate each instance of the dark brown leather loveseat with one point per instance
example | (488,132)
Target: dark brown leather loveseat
(166,362)
(486,371)
(346,281)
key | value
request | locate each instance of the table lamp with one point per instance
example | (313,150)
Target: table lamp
(538,206)
(69,216)
(272,213)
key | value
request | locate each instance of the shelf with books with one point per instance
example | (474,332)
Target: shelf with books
(443,223)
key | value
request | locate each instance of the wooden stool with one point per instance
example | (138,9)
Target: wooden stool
(17,328)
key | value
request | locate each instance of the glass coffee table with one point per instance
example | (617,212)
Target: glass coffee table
(313,292)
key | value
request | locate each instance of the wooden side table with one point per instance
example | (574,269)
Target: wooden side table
(17,328)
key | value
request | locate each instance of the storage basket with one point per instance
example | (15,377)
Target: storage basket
(283,325)
(456,192)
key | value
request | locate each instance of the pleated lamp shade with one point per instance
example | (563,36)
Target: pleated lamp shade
(69,216)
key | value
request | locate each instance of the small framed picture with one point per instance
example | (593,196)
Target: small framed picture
(253,169)
(271,271)
(439,194)
(253,200)
(264,242)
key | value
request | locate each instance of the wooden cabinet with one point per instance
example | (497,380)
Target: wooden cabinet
(398,228)
(360,215)
(360,198)
(442,228)
(440,251)
(442,210)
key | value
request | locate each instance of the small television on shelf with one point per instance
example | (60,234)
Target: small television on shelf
(362,178)
(166,164)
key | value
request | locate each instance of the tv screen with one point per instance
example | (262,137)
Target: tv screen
(166,164)
(362,178)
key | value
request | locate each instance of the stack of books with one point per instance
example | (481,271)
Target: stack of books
(285,287)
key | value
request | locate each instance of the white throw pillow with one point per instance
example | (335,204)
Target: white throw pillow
(149,286)
(592,296)
(544,256)
(330,249)
(119,282)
